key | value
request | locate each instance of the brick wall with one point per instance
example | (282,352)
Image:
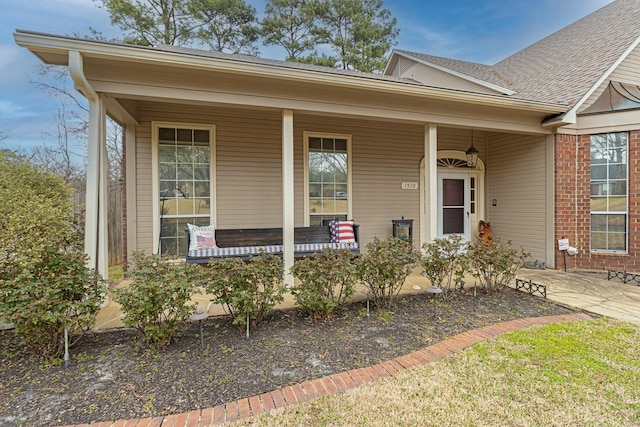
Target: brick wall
(572,205)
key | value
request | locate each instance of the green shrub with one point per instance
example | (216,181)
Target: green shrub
(326,282)
(384,268)
(44,284)
(251,287)
(54,293)
(156,301)
(35,212)
(444,262)
(495,265)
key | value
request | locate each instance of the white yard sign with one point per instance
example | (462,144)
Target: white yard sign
(563,244)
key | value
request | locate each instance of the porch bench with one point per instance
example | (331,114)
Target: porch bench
(247,242)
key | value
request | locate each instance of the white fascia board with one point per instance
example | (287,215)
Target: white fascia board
(458,74)
(393,59)
(36,42)
(570,117)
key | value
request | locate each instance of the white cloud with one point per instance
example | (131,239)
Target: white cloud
(10,110)
(15,64)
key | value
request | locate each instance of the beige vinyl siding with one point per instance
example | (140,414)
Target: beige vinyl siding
(516,174)
(433,77)
(383,156)
(460,139)
(248,163)
(249,170)
(144,194)
(248,154)
(626,72)
(401,66)
(248,166)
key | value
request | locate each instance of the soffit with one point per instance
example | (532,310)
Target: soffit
(173,84)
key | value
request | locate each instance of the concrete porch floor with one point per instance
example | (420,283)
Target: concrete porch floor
(585,292)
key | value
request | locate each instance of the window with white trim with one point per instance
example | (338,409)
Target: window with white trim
(327,178)
(184,178)
(609,192)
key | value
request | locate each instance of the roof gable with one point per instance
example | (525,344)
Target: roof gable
(481,76)
(565,67)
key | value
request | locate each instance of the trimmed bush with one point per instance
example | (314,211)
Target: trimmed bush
(495,265)
(45,287)
(326,282)
(253,287)
(156,301)
(384,268)
(54,293)
(444,262)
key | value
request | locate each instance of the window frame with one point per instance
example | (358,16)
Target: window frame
(608,181)
(155,172)
(306,137)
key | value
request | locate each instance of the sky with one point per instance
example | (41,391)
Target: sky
(483,31)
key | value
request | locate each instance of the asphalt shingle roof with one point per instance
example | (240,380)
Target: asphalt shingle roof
(472,69)
(279,63)
(564,65)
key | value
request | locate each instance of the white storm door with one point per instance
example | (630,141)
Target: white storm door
(453,204)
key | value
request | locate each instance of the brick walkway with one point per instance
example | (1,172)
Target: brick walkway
(335,383)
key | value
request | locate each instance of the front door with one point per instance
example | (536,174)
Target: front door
(453,204)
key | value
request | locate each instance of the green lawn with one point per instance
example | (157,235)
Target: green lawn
(570,374)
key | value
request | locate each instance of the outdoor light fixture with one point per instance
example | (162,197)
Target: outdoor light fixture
(472,154)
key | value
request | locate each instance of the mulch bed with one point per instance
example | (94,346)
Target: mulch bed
(112,377)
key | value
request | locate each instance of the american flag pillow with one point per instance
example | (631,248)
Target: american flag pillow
(204,241)
(342,231)
(201,237)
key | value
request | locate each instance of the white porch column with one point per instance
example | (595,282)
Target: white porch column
(103,194)
(429,226)
(95,235)
(131,183)
(287,195)
(95,240)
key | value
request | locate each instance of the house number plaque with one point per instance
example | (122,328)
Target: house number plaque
(409,185)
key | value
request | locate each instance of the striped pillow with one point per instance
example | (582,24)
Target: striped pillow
(342,231)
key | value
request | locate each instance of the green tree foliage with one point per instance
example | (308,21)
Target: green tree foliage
(348,34)
(228,25)
(223,25)
(44,284)
(292,25)
(151,22)
(359,32)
